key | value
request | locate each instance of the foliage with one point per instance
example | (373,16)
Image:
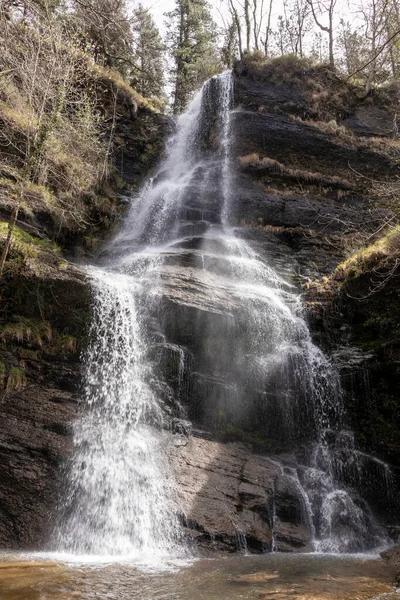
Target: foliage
(149,54)
(106,28)
(192,39)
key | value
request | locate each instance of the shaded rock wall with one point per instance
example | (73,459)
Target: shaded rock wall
(46,328)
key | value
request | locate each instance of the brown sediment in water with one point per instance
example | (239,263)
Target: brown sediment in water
(268,577)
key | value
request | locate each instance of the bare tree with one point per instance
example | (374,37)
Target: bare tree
(46,116)
(321,9)
(268,29)
(247,20)
(237,23)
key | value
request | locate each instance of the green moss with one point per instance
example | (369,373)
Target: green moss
(28,244)
(363,259)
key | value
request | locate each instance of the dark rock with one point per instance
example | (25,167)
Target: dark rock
(392,555)
(370,120)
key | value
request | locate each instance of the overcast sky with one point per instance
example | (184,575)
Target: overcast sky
(344,9)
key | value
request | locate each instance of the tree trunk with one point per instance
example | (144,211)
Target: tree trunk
(248,23)
(267,31)
(7,244)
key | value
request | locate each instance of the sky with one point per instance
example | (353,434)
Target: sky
(344,8)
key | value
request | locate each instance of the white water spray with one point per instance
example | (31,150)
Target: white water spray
(121,491)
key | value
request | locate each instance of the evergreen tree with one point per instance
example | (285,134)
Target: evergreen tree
(149,54)
(192,40)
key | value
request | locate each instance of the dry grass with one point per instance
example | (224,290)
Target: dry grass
(22,330)
(284,69)
(111,77)
(270,166)
(331,128)
(328,95)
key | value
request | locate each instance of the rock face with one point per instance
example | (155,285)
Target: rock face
(41,375)
(295,199)
(234,500)
(392,556)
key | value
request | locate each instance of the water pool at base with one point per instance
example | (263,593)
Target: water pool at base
(266,577)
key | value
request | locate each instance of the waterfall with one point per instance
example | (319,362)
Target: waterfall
(252,360)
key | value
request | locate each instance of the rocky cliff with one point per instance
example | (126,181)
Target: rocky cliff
(305,147)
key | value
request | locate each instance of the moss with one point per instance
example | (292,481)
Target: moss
(362,261)
(27,243)
(16,380)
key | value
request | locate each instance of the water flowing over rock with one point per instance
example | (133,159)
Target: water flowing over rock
(194,329)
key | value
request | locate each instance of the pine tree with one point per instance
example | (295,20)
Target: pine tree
(192,40)
(149,54)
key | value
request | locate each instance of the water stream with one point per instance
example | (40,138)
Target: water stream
(252,360)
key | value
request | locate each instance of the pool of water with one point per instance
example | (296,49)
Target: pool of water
(266,577)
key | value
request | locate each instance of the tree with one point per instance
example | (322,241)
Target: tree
(298,23)
(321,9)
(149,54)
(49,134)
(192,38)
(268,29)
(237,25)
(230,47)
(107,26)
(382,29)
(353,48)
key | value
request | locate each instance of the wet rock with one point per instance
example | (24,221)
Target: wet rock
(292,538)
(392,555)
(226,494)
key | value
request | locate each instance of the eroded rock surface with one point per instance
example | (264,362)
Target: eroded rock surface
(229,499)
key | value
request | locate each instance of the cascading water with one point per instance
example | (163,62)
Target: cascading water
(119,493)
(252,359)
